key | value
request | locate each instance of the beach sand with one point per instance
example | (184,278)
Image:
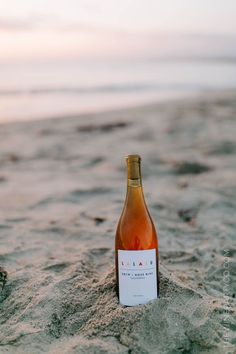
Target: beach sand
(62,188)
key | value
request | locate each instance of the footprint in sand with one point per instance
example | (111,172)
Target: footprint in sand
(99,257)
(106,127)
(3,278)
(192,168)
(57,268)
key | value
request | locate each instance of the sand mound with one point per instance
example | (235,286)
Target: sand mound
(79,313)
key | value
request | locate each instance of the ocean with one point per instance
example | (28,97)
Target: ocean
(38,90)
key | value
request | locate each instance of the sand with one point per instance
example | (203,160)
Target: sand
(62,188)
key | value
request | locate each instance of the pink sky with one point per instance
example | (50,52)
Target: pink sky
(96,28)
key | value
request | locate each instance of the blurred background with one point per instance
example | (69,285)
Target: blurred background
(60,57)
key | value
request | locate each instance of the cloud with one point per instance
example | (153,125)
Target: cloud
(15,24)
(61,38)
(30,23)
(52,23)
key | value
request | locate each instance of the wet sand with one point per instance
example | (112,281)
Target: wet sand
(62,188)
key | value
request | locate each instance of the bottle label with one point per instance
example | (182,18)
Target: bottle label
(137,276)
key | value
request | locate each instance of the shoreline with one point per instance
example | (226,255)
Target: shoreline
(184,97)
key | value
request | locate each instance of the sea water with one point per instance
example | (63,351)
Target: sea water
(36,90)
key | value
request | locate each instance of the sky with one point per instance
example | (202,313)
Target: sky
(89,28)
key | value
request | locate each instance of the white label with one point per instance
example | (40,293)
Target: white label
(137,277)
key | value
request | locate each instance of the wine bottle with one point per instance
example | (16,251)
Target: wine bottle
(136,244)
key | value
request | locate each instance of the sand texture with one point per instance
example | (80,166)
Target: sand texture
(62,188)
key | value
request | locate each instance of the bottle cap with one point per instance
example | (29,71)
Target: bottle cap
(132,158)
(133,167)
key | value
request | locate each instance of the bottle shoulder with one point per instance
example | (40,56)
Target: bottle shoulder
(135,228)
(136,233)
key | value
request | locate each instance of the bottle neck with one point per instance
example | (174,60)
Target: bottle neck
(134,196)
(134,178)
